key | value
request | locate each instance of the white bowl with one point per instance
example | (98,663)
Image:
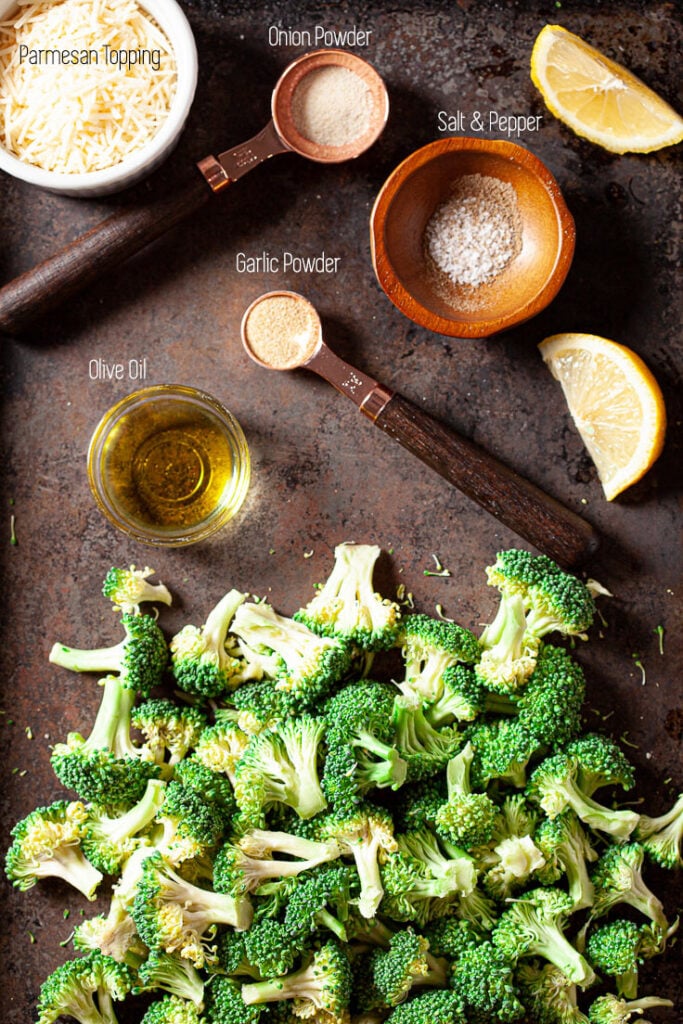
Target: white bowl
(141,162)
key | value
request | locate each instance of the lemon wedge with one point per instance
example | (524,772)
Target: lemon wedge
(615,402)
(599,99)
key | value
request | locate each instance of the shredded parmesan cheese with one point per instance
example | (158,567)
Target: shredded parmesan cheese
(83,83)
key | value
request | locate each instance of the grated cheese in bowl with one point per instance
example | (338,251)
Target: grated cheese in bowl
(85,84)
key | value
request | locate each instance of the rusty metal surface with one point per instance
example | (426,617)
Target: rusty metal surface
(321,472)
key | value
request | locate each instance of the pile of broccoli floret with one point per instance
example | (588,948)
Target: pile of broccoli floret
(290,832)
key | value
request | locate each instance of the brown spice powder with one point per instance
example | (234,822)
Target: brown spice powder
(282,332)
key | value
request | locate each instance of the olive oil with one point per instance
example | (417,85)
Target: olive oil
(171,463)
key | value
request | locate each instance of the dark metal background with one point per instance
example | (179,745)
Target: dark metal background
(321,473)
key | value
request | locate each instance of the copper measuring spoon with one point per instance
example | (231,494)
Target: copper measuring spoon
(103,247)
(282,331)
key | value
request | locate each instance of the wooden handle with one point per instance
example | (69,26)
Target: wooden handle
(540,519)
(39,290)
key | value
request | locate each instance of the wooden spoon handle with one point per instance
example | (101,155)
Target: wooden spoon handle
(35,292)
(549,526)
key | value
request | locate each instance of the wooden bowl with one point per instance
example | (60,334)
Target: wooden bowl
(407,201)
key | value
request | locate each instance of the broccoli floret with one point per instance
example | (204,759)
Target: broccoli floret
(106,768)
(509,652)
(84,989)
(128,588)
(220,746)
(619,947)
(484,980)
(425,877)
(139,659)
(426,750)
(363,834)
(662,837)
(554,786)
(430,647)
(116,934)
(502,750)
(311,664)
(600,762)
(174,915)
(462,699)
(281,766)
(617,878)
(347,606)
(511,856)
(321,988)
(171,1010)
(271,948)
(449,937)
(239,870)
(168,728)
(419,804)
(173,974)
(443,1006)
(466,818)
(554,600)
(549,995)
(321,900)
(200,661)
(224,1004)
(610,1009)
(566,849)
(192,826)
(263,843)
(549,706)
(47,843)
(404,965)
(108,842)
(259,705)
(215,787)
(359,718)
(534,926)
(478,910)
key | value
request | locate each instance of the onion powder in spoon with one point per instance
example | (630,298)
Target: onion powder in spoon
(332,106)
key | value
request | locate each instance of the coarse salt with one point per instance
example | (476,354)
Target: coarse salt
(332,106)
(476,232)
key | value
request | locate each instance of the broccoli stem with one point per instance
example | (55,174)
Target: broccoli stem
(619,824)
(103,659)
(302,984)
(111,729)
(134,820)
(215,629)
(70,864)
(261,843)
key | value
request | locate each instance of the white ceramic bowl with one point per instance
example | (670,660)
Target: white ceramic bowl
(140,163)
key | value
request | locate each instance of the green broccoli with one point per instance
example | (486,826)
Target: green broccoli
(466,818)
(192,826)
(259,705)
(364,834)
(449,937)
(511,856)
(534,926)
(425,877)
(310,664)
(610,1009)
(425,750)
(281,766)
(139,659)
(404,965)
(174,915)
(109,841)
(321,988)
(617,878)
(84,989)
(462,699)
(419,803)
(617,948)
(567,851)
(220,746)
(442,1006)
(171,973)
(662,837)
(224,1004)
(430,647)
(549,995)
(348,607)
(271,948)
(600,762)
(213,786)
(47,843)
(263,843)
(171,1010)
(128,588)
(509,652)
(476,909)
(484,980)
(235,871)
(359,721)
(321,900)
(554,786)
(168,728)
(200,661)
(106,768)
(502,750)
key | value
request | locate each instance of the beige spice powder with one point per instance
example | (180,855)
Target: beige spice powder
(282,332)
(332,106)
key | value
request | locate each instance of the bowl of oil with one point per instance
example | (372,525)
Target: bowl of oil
(169,465)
